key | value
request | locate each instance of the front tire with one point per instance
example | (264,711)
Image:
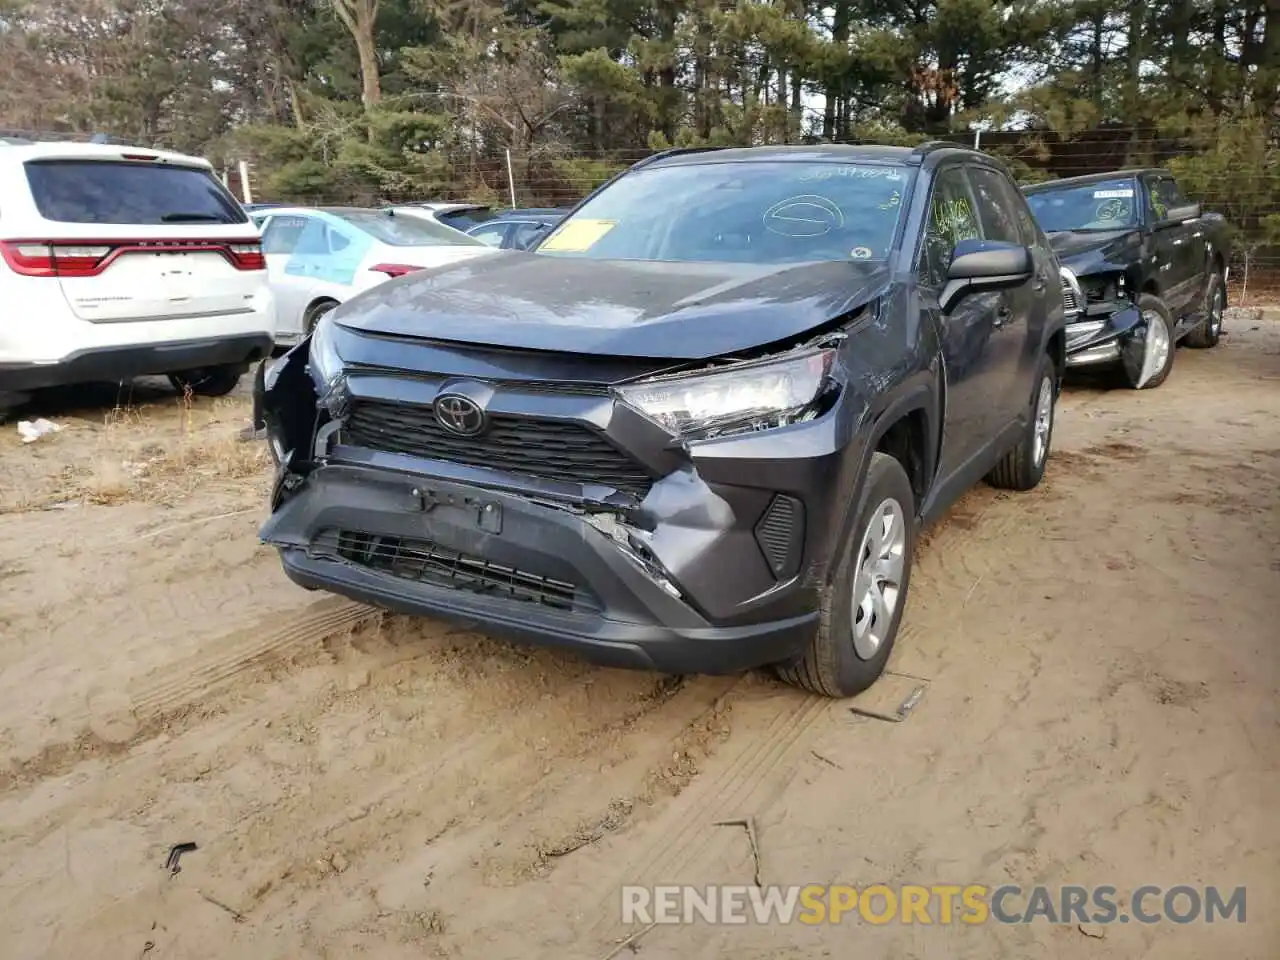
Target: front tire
(208,381)
(862,610)
(1158,347)
(1022,468)
(1215,304)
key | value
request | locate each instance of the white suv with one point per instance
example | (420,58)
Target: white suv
(118,262)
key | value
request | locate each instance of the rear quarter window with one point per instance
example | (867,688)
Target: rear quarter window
(129,192)
(462,219)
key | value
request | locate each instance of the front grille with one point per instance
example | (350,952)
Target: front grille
(551,449)
(425,562)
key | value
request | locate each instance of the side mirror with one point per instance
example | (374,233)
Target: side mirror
(1176,215)
(985,265)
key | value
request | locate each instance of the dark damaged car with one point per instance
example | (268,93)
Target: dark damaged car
(1144,269)
(697,429)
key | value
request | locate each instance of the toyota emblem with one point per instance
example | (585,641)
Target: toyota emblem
(460,415)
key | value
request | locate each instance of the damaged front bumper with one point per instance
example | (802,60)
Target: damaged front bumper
(1107,334)
(703,573)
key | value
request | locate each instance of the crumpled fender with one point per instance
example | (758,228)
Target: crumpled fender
(284,403)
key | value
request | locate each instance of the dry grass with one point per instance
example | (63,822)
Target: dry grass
(156,460)
(156,453)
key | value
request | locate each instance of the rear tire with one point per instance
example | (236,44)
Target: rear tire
(1023,467)
(314,313)
(208,381)
(862,609)
(1215,303)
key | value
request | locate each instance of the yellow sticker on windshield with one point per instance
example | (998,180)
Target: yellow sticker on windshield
(578,236)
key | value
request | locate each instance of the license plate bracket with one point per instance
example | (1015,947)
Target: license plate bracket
(486,514)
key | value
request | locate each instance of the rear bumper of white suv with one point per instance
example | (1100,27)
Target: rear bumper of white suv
(42,344)
(116,363)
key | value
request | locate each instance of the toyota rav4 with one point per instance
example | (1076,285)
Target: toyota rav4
(698,427)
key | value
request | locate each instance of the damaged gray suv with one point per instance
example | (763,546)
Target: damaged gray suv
(695,430)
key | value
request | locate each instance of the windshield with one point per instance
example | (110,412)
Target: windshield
(399,230)
(1107,205)
(760,212)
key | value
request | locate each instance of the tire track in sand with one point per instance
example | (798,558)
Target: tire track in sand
(116,721)
(685,833)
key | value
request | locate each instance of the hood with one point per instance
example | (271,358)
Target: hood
(646,309)
(1086,251)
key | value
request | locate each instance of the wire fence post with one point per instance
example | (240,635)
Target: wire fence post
(511,179)
(246,192)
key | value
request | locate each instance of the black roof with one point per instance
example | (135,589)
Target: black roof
(1089,178)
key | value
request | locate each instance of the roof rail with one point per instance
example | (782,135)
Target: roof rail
(671,152)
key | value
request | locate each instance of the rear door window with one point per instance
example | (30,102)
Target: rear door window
(129,192)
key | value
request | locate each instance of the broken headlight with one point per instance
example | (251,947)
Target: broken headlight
(1104,289)
(734,399)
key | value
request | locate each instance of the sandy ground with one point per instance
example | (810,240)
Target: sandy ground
(1102,669)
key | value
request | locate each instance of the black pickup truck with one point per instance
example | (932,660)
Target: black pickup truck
(1143,268)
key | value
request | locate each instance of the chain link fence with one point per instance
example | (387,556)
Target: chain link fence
(554,176)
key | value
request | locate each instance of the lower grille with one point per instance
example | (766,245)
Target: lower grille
(552,449)
(425,562)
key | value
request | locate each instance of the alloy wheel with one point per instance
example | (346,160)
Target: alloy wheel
(1044,421)
(1158,345)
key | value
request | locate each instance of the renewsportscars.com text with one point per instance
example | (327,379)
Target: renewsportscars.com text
(940,904)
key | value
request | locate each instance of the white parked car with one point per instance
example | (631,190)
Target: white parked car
(320,257)
(460,216)
(118,262)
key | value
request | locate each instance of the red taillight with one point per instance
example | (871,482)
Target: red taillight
(247,256)
(33,259)
(62,258)
(395,269)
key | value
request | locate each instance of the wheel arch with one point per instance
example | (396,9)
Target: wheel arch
(908,427)
(1057,350)
(308,315)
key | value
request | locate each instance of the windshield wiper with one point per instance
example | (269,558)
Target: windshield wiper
(192,218)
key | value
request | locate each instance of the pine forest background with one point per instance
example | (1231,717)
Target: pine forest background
(371,101)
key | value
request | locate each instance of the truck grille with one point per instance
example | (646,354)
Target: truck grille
(550,449)
(425,562)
